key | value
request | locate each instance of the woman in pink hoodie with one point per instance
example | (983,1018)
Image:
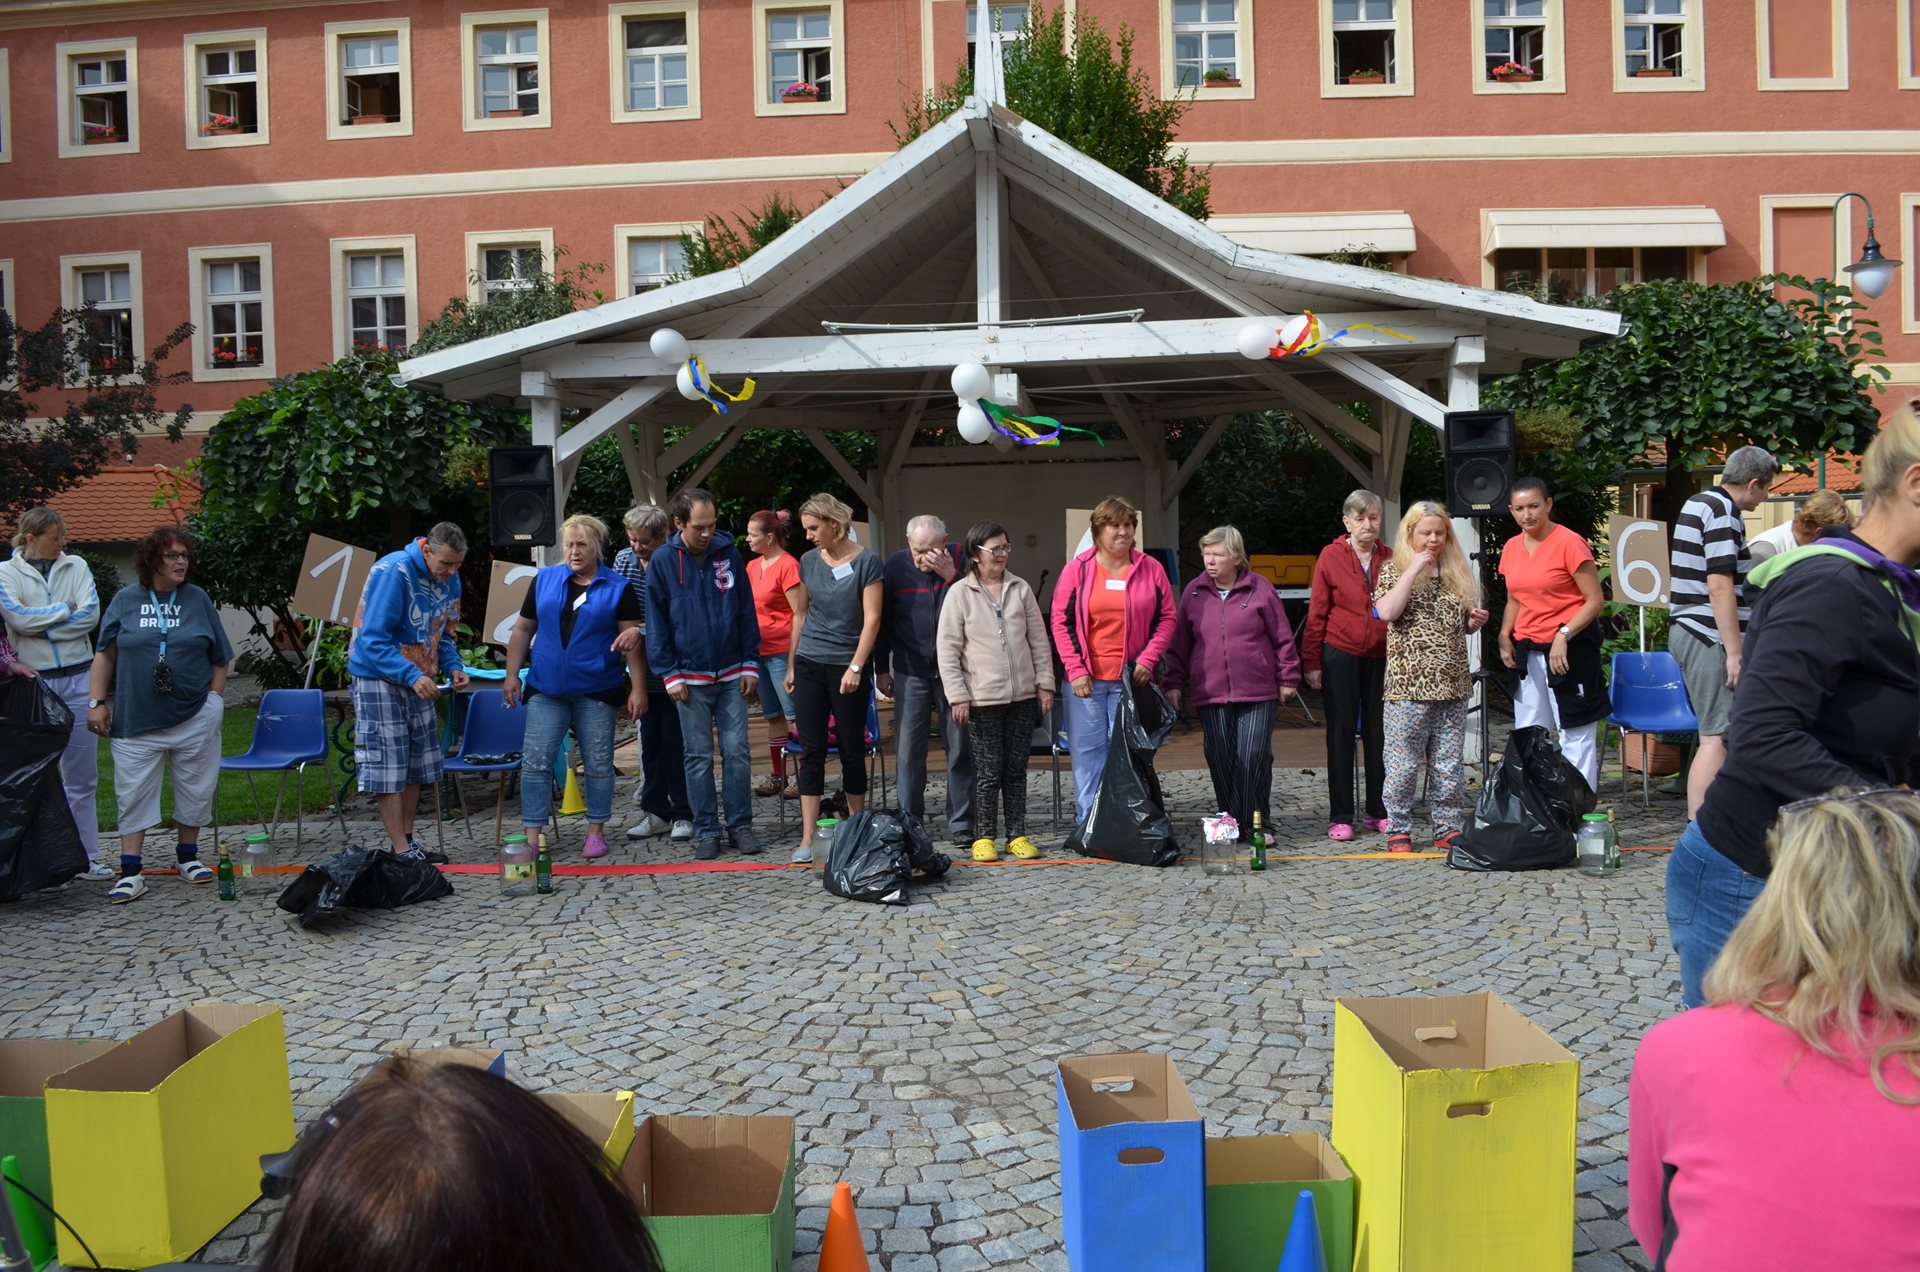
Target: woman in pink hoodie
(1112,606)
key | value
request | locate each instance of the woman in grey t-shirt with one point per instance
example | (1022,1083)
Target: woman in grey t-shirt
(836,619)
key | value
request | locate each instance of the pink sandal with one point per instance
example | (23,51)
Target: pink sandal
(1340,831)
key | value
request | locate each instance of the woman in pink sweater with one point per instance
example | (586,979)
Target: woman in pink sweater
(1779,1126)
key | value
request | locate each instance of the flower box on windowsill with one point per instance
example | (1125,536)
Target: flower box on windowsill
(1647,72)
(102,139)
(210,131)
(506,114)
(1375,78)
(1516,77)
(799,97)
(1220,83)
(370,119)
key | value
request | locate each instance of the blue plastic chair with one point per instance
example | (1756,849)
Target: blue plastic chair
(872,746)
(1649,696)
(492,730)
(289,733)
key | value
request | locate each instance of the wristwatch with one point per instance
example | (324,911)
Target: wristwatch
(1566,631)
(95,702)
(853,666)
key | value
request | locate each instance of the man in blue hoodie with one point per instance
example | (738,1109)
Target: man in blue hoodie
(402,645)
(703,641)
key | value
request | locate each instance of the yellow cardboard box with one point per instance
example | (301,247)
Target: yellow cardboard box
(1457,1116)
(156,1145)
(605,1117)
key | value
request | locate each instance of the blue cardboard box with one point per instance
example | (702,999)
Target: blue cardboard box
(1133,1166)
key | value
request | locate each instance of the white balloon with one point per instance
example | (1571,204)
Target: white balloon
(683,380)
(1254,341)
(974,424)
(669,345)
(971,382)
(1293,329)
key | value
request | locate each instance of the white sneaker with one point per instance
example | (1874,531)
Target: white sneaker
(803,855)
(129,887)
(647,827)
(681,830)
(98,872)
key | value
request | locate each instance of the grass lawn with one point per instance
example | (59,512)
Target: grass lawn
(236,806)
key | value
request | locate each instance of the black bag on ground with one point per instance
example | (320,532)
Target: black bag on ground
(1129,819)
(363,878)
(876,853)
(39,844)
(1529,811)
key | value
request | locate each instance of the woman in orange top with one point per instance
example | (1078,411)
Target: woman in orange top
(773,574)
(1548,637)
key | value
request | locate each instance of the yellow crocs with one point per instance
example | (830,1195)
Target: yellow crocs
(1023,848)
(983,850)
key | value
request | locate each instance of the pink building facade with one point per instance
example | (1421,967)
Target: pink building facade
(295,178)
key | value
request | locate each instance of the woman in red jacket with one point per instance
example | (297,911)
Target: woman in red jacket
(1344,647)
(1112,606)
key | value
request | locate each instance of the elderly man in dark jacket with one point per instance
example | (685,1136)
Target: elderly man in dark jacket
(915,582)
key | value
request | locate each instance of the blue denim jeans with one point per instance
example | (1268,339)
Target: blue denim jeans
(663,787)
(548,718)
(708,707)
(1089,726)
(1707,895)
(775,701)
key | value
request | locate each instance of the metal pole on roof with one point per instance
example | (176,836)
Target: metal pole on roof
(1823,471)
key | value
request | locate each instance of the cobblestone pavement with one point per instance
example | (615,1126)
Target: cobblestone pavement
(915,1046)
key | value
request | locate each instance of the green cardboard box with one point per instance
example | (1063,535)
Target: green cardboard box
(717,1192)
(1253,1184)
(25,1066)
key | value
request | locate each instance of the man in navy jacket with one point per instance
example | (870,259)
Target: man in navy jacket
(916,579)
(703,641)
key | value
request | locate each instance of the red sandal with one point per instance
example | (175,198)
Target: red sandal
(1399,843)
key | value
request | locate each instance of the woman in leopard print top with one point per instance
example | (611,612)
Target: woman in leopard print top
(1427,596)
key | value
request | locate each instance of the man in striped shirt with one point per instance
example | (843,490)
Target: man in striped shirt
(1710,602)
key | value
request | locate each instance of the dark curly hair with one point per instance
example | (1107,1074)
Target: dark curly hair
(147,553)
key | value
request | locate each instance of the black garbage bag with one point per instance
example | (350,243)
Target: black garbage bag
(39,844)
(364,878)
(1529,811)
(1129,819)
(876,853)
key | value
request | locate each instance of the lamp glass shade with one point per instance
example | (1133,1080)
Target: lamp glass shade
(1871,277)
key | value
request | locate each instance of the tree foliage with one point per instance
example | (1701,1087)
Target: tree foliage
(1081,85)
(1703,369)
(109,403)
(718,245)
(538,293)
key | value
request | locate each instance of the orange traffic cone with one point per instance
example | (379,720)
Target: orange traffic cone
(842,1250)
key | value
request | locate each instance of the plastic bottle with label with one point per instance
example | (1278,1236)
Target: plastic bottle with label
(256,862)
(516,866)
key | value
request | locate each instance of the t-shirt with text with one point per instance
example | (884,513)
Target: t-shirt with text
(196,644)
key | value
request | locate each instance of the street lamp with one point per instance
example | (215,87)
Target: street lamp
(1872,272)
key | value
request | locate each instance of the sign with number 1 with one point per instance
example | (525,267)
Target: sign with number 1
(332,576)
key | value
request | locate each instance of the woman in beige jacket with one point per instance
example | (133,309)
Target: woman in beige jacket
(997,670)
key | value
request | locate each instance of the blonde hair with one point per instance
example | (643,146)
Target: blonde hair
(1454,574)
(1114,510)
(1228,537)
(1822,508)
(36,521)
(1835,932)
(1895,450)
(824,507)
(589,525)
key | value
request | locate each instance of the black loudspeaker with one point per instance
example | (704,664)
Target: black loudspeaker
(1479,462)
(520,496)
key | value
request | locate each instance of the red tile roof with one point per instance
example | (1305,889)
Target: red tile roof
(117,506)
(1842,476)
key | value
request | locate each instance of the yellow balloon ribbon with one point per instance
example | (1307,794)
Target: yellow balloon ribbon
(707,389)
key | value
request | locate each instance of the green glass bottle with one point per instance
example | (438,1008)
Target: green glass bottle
(1257,860)
(543,869)
(223,873)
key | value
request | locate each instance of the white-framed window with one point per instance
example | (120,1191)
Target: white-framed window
(1568,273)
(1909,250)
(110,282)
(6,288)
(1007,19)
(1366,48)
(502,260)
(652,263)
(1658,46)
(6,111)
(99,98)
(375,295)
(656,60)
(799,43)
(1526,33)
(228,104)
(1206,36)
(232,292)
(1906,27)
(505,69)
(369,79)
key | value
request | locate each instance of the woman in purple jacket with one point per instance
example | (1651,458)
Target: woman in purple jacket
(1232,646)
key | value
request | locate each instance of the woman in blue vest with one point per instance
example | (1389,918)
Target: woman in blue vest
(572,616)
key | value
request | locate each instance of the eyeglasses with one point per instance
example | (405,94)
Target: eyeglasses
(1003,550)
(177,556)
(1862,794)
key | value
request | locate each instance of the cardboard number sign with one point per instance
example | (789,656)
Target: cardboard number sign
(332,576)
(1642,569)
(506,593)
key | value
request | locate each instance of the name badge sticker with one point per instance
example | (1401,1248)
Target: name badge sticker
(843,571)
(1116,585)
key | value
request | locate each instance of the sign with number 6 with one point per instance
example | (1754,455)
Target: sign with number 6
(1642,568)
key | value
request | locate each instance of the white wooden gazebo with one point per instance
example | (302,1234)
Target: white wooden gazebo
(988,240)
